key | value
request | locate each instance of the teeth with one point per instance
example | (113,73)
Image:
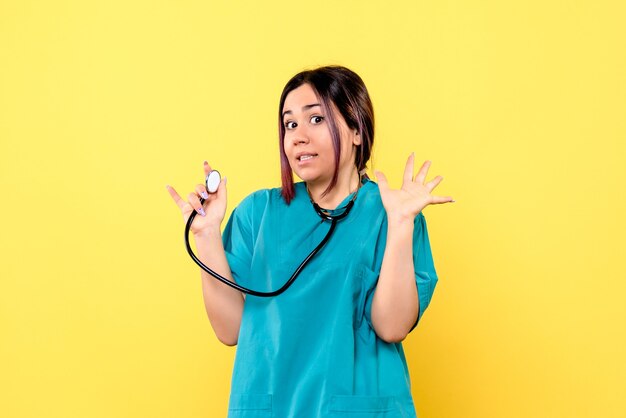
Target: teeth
(306,157)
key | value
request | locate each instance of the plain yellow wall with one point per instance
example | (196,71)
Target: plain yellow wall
(520,105)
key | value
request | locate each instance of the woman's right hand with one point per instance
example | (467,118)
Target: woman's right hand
(211,213)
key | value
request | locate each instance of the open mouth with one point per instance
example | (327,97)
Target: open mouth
(306,157)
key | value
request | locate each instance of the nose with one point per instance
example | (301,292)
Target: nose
(300,136)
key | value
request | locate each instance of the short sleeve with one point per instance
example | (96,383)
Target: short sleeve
(425,274)
(238,240)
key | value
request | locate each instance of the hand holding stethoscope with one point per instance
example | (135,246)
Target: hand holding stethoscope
(209,204)
(408,201)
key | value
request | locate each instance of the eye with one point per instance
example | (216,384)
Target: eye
(317,119)
(290,124)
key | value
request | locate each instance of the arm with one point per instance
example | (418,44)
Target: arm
(223,304)
(396,304)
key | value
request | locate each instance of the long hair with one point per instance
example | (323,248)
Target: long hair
(345,89)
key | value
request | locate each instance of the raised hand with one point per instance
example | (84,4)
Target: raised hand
(405,203)
(211,211)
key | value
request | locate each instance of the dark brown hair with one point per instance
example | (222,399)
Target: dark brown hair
(346,90)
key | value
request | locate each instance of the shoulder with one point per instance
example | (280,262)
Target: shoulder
(371,193)
(260,199)
(371,202)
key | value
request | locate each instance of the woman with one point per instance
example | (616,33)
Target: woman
(331,344)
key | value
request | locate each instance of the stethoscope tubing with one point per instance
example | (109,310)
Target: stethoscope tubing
(293,277)
(212,181)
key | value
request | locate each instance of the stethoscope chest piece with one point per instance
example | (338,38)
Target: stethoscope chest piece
(213,181)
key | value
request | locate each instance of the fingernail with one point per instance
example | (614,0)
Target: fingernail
(167,186)
(201,212)
(206,162)
(225,180)
(453,201)
(204,195)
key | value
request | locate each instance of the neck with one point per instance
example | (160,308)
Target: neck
(346,184)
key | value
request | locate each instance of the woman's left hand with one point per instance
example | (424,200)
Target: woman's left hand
(406,202)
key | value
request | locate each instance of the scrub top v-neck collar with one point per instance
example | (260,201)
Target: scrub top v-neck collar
(340,207)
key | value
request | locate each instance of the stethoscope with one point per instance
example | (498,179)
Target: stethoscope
(212,182)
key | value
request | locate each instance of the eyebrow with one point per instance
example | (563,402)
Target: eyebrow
(305,107)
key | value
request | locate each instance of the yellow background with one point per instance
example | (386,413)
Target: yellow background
(520,105)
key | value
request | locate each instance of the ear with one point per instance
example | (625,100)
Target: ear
(356,139)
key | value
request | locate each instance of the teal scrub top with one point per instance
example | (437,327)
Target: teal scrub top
(312,351)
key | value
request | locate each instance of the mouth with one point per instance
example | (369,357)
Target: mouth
(305,157)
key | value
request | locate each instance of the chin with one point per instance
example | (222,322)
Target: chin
(304,175)
(311,174)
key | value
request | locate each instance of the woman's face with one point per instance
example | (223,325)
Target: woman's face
(308,143)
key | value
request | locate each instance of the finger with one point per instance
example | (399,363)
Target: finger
(179,201)
(194,201)
(421,176)
(202,191)
(433,183)
(382,180)
(442,199)
(207,168)
(221,189)
(408,169)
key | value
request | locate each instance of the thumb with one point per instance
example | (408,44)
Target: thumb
(221,190)
(382,179)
